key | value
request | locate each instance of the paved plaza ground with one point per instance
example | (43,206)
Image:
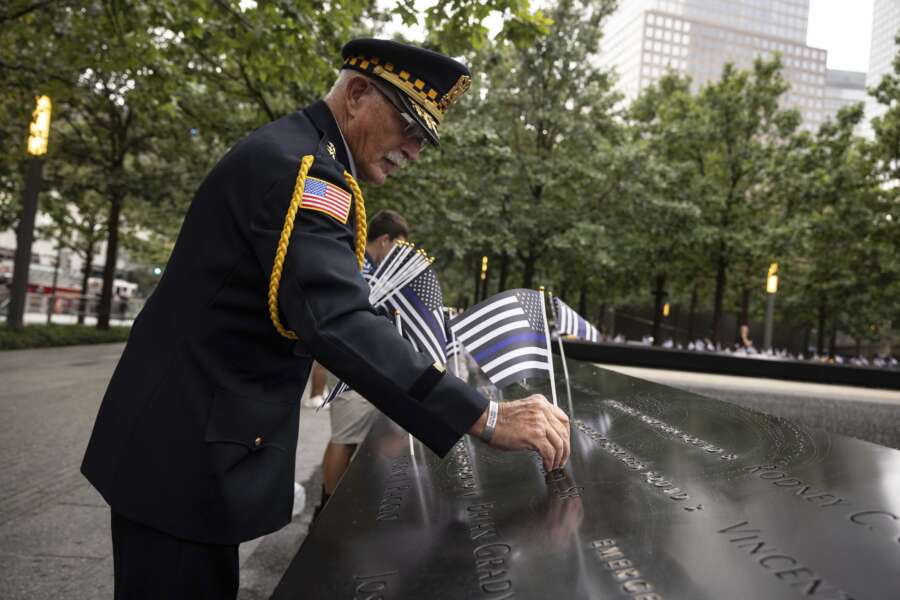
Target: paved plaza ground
(54,529)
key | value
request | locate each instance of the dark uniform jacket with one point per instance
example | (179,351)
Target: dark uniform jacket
(197,432)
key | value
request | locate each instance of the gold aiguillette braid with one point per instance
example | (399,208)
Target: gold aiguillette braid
(285,239)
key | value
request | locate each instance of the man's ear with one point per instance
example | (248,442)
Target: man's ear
(357,90)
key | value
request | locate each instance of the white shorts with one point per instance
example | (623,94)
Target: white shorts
(351,418)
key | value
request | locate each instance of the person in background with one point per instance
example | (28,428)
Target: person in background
(351,414)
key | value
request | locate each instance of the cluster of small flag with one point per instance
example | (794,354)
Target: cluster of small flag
(405,284)
(507,335)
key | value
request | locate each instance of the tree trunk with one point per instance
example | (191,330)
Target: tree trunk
(504,272)
(582,300)
(112,255)
(820,337)
(832,341)
(691,312)
(658,294)
(529,267)
(601,320)
(719,298)
(744,317)
(858,347)
(807,333)
(85,276)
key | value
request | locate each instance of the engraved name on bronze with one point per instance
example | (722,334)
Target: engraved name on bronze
(491,556)
(559,482)
(673,432)
(782,565)
(624,571)
(465,476)
(481,521)
(562,485)
(492,571)
(876,520)
(398,484)
(779,478)
(371,587)
(634,463)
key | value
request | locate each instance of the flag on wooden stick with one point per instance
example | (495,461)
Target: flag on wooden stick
(507,336)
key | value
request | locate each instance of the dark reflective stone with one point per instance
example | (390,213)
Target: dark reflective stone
(667,495)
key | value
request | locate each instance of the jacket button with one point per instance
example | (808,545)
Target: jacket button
(257,441)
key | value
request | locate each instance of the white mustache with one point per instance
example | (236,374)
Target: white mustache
(398,158)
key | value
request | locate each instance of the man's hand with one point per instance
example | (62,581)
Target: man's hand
(531,424)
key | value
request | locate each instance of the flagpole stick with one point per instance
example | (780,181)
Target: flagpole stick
(562,355)
(549,348)
(458,350)
(412,450)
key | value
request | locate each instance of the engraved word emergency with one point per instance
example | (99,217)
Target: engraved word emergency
(783,566)
(395,492)
(632,462)
(779,478)
(624,571)
(673,431)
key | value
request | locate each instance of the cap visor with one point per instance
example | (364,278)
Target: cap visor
(432,134)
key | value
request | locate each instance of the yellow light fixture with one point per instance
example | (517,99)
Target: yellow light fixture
(484,263)
(666,309)
(39,130)
(772,278)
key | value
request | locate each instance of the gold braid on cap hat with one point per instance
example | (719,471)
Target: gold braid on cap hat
(288,228)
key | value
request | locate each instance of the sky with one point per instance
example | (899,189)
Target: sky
(843,27)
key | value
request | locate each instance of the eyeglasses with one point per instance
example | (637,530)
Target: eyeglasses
(412,130)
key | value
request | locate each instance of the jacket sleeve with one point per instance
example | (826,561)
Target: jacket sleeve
(325,300)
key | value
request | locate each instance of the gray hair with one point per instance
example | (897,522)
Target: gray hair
(344,76)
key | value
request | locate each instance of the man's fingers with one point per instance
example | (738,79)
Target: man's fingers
(561,429)
(558,447)
(546,450)
(560,414)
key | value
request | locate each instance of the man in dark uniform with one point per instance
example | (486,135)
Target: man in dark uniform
(194,443)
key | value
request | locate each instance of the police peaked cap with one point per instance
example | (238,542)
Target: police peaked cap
(428,82)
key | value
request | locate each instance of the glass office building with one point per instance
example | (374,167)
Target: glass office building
(885,25)
(644,38)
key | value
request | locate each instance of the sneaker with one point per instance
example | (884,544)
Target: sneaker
(314,401)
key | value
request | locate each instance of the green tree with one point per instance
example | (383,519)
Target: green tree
(720,143)
(844,265)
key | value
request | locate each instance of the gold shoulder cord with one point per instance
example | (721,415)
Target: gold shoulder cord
(296,202)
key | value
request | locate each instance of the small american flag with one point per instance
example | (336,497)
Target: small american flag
(569,322)
(507,336)
(327,198)
(419,304)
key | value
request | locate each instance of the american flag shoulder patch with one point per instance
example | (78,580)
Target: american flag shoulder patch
(326,197)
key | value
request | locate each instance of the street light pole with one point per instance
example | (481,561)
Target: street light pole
(771,289)
(37,147)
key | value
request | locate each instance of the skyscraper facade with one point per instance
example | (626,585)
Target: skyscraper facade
(645,38)
(885,25)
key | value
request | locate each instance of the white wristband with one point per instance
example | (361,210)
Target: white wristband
(491,424)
